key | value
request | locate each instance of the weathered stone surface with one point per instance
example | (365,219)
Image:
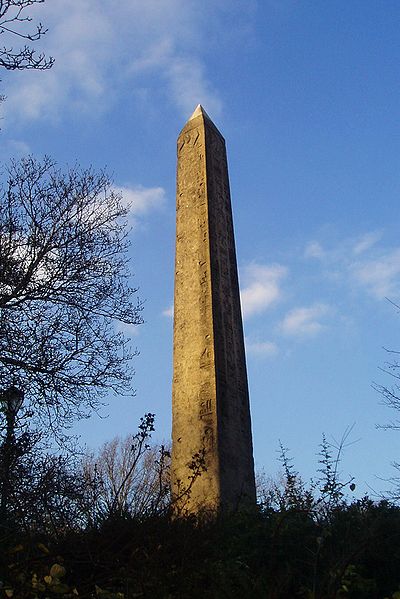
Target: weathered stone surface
(210,402)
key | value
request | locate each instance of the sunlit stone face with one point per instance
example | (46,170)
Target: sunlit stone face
(212,457)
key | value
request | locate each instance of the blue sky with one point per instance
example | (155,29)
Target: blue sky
(306,94)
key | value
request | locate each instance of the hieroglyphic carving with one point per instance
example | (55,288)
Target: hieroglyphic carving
(206,408)
(210,396)
(208,440)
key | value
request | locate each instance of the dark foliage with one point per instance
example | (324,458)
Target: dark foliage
(311,544)
(39,491)
(269,554)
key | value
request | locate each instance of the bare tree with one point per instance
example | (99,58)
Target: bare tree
(16,23)
(128,476)
(391,395)
(391,398)
(64,290)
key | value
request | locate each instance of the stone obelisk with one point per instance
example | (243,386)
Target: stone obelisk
(210,404)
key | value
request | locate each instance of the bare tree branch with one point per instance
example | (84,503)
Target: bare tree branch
(64,287)
(128,476)
(13,23)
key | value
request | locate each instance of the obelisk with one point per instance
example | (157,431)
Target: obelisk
(210,404)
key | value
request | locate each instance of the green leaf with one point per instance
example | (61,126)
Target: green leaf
(57,571)
(60,588)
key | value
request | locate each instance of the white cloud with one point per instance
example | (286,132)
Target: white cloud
(261,287)
(129,330)
(343,250)
(102,50)
(169,312)
(380,276)
(189,86)
(365,242)
(261,348)
(21,148)
(361,263)
(14,148)
(142,200)
(305,321)
(314,250)
(80,36)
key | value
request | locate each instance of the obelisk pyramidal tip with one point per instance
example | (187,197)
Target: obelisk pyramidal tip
(212,455)
(199,110)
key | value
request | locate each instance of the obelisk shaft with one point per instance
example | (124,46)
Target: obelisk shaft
(211,416)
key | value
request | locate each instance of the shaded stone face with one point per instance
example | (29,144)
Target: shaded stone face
(211,431)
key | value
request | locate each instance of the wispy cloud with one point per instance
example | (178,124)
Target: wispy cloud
(102,50)
(380,276)
(189,85)
(265,349)
(129,330)
(169,312)
(314,250)
(142,200)
(80,36)
(262,287)
(14,148)
(367,241)
(361,263)
(306,321)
